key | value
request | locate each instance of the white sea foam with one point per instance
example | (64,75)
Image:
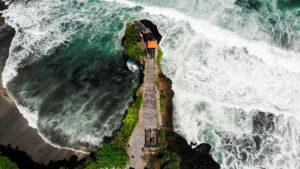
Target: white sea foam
(31,117)
(38,34)
(263,63)
(220,78)
(30,43)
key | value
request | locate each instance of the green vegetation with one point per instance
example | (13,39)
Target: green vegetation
(88,164)
(130,121)
(91,166)
(163,97)
(5,163)
(113,154)
(163,142)
(159,56)
(157,83)
(162,107)
(170,160)
(130,43)
(165,158)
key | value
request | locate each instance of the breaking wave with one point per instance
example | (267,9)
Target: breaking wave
(234,67)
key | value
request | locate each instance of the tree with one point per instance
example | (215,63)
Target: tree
(130,43)
(5,163)
(112,156)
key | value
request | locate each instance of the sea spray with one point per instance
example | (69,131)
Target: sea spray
(74,89)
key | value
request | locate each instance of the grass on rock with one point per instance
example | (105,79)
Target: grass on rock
(113,154)
(130,43)
(163,158)
(159,56)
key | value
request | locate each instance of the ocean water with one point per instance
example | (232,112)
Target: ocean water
(234,66)
(66,70)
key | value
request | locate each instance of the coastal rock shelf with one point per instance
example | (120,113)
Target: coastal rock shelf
(154,135)
(147,120)
(145,136)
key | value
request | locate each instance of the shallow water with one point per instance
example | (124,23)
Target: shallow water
(229,63)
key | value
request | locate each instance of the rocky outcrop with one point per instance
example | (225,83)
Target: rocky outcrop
(153,28)
(3,6)
(249,4)
(6,35)
(263,123)
(191,158)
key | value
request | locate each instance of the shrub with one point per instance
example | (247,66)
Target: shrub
(5,163)
(92,166)
(163,142)
(162,107)
(134,52)
(159,56)
(130,43)
(157,83)
(111,156)
(163,96)
(130,34)
(168,159)
(130,120)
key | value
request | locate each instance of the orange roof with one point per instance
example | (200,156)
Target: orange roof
(152,44)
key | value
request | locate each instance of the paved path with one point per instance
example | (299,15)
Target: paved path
(148,119)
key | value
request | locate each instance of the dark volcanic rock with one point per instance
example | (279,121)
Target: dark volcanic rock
(249,4)
(263,123)
(2,7)
(6,35)
(198,158)
(153,29)
(24,161)
(203,148)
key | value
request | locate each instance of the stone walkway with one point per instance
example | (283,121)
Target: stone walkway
(148,119)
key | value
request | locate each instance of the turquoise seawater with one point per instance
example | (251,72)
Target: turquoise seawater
(72,78)
(234,66)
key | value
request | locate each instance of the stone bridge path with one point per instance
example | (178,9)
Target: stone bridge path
(147,119)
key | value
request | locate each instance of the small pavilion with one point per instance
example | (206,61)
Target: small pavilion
(151,138)
(152,46)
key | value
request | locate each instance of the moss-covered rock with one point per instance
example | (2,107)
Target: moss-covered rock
(130,43)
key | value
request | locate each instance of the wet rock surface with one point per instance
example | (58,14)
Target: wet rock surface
(153,29)
(191,158)
(249,4)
